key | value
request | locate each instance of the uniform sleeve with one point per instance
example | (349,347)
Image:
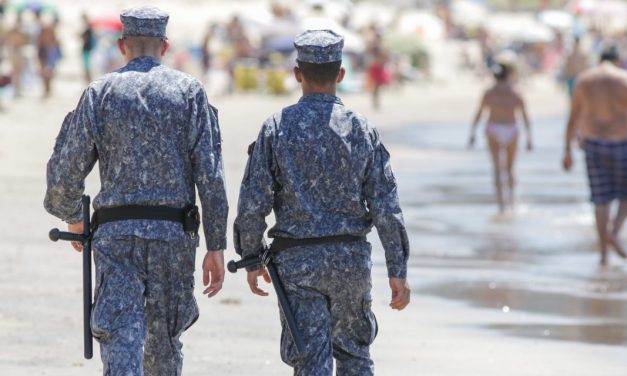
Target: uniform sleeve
(382,199)
(256,196)
(73,158)
(208,171)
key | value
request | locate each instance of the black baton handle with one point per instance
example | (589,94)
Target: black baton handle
(233,265)
(85,239)
(284,304)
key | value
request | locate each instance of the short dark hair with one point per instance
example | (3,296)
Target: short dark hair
(500,71)
(320,74)
(610,53)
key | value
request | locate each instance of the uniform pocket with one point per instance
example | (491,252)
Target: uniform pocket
(372,328)
(187,312)
(95,321)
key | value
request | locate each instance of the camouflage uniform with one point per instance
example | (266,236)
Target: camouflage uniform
(324,171)
(156,139)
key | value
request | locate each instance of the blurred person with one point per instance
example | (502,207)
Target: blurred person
(88,42)
(325,173)
(486,49)
(48,52)
(237,36)
(205,47)
(16,40)
(241,74)
(502,102)
(599,121)
(379,73)
(156,139)
(576,61)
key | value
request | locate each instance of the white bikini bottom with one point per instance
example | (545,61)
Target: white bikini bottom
(505,134)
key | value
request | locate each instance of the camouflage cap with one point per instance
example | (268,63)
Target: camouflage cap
(319,46)
(144,21)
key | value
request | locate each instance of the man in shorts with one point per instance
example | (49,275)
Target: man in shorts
(598,118)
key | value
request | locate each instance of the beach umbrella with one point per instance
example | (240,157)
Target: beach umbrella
(365,13)
(608,15)
(468,13)
(580,6)
(557,19)
(406,45)
(336,9)
(610,8)
(596,8)
(518,27)
(34,6)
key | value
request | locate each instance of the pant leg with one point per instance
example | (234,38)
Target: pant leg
(353,322)
(170,304)
(300,278)
(118,315)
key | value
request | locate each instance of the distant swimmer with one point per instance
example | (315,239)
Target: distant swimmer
(599,121)
(503,102)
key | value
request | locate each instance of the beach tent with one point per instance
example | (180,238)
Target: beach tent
(518,27)
(422,24)
(468,13)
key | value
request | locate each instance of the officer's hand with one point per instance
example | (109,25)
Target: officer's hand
(567,161)
(76,228)
(400,293)
(213,272)
(252,281)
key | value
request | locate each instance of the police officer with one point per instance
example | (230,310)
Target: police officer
(157,140)
(324,171)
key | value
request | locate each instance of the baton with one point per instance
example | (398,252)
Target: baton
(85,239)
(265,259)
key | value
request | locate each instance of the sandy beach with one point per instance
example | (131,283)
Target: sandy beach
(515,295)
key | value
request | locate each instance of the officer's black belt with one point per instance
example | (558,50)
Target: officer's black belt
(279,244)
(187,216)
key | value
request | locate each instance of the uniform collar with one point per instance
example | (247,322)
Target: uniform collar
(320,97)
(143,61)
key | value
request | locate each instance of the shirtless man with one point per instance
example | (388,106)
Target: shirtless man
(503,102)
(598,118)
(575,63)
(48,53)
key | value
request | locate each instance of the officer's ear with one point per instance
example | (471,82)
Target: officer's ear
(121,46)
(298,75)
(341,75)
(165,44)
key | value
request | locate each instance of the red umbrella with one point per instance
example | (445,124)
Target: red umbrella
(107,23)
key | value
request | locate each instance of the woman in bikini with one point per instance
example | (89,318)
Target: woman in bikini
(502,101)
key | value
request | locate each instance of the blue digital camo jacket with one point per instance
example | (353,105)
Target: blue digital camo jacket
(324,171)
(156,139)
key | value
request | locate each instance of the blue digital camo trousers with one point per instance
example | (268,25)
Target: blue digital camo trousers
(328,287)
(143,302)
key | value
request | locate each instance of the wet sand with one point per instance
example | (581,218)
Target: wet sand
(518,294)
